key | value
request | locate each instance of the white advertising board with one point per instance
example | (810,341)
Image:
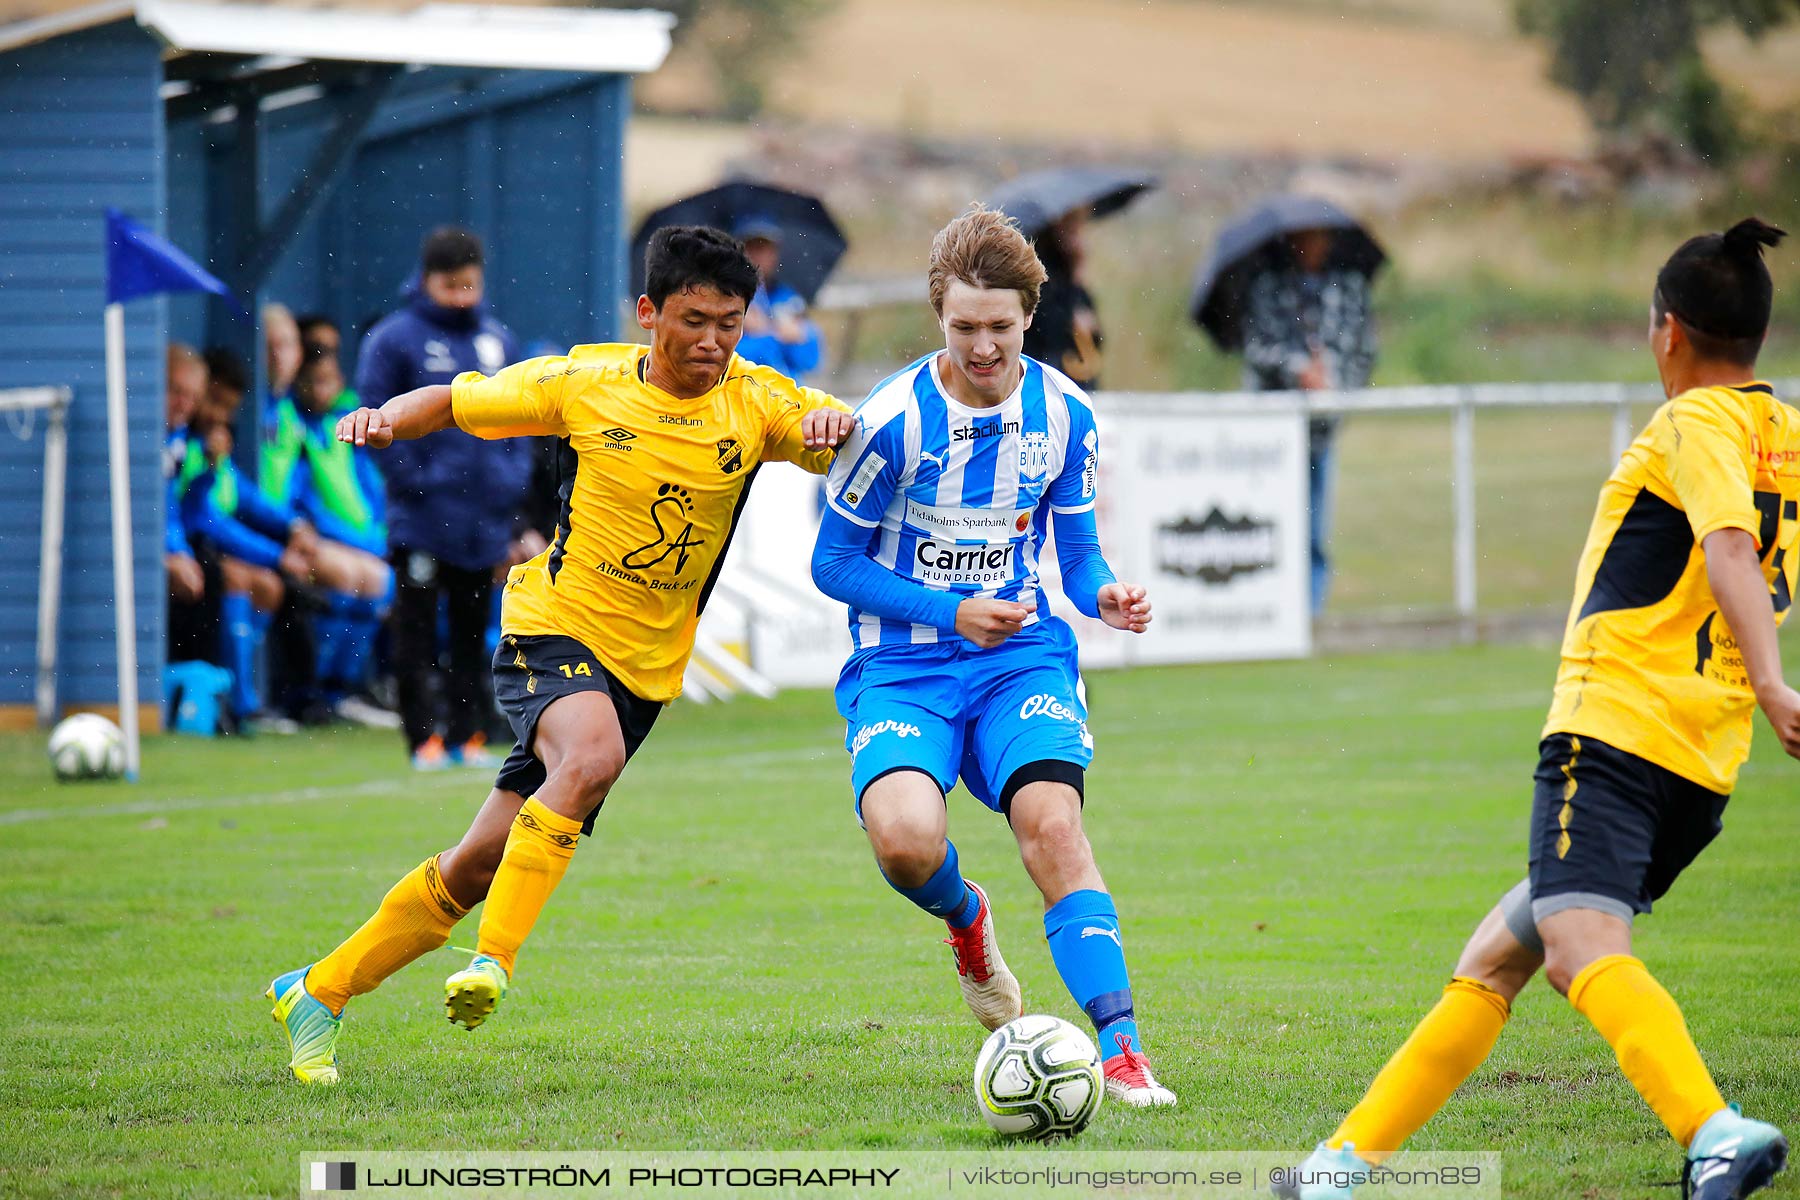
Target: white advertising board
(1209,512)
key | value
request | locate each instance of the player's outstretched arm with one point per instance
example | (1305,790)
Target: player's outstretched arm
(1735,574)
(410,415)
(805,425)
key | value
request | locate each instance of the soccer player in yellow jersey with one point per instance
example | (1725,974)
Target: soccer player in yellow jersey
(658,447)
(1691,564)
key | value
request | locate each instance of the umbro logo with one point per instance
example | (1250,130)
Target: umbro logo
(619,435)
(1099,931)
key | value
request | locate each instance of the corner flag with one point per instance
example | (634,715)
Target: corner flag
(138,263)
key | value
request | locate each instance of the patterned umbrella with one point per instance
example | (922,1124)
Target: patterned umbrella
(1247,244)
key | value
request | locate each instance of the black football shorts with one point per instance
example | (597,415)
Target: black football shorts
(532,672)
(1611,831)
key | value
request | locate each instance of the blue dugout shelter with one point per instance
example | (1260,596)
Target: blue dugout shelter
(300,154)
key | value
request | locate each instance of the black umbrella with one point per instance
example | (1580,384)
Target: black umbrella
(1042,198)
(811,242)
(1253,240)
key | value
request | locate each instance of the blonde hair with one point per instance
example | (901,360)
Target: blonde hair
(985,249)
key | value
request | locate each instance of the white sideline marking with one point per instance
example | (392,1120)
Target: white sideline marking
(373,787)
(152,808)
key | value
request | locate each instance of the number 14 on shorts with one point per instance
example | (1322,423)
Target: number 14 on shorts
(578,669)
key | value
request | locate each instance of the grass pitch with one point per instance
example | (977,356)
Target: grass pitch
(1298,851)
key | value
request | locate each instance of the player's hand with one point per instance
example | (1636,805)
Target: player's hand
(1782,707)
(987,623)
(1125,606)
(366,427)
(187,582)
(303,537)
(826,428)
(296,564)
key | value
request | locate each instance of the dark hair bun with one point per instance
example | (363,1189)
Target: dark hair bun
(1747,238)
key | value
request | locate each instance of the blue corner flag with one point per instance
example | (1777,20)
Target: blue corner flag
(138,263)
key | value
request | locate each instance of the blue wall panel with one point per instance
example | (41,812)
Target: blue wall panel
(533,161)
(85,131)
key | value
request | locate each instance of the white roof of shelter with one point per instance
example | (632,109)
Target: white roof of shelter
(452,35)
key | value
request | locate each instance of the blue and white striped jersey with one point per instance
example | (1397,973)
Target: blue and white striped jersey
(959,498)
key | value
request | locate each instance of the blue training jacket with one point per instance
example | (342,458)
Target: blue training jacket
(450,495)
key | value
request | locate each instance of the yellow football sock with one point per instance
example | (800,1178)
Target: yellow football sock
(1455,1037)
(1644,1026)
(538,850)
(416,916)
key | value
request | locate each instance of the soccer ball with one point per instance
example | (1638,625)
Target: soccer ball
(1038,1077)
(87,746)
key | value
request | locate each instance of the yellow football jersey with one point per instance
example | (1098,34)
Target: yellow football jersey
(1648,665)
(651,503)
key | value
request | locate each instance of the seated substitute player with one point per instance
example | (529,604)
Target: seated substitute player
(659,444)
(1690,565)
(938,507)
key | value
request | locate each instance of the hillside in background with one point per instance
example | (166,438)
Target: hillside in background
(1168,73)
(1515,256)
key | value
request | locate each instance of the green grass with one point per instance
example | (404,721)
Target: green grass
(1298,850)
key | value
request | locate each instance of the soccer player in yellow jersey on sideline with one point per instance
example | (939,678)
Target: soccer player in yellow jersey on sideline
(659,444)
(1690,565)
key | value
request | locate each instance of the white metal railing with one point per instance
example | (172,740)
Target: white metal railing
(1461,401)
(20,405)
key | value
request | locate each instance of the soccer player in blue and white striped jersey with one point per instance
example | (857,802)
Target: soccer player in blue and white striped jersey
(938,509)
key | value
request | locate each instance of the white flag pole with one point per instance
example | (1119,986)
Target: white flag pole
(124,595)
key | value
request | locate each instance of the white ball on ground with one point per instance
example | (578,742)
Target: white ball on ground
(87,746)
(1038,1077)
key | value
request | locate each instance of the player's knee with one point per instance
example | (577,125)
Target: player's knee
(468,870)
(1504,951)
(1560,973)
(908,853)
(266,589)
(1058,835)
(590,772)
(1053,838)
(1563,962)
(234,574)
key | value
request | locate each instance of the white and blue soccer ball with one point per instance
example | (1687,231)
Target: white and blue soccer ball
(1038,1077)
(87,746)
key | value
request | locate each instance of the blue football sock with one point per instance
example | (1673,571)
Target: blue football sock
(354,652)
(331,630)
(1083,931)
(355,608)
(945,894)
(238,619)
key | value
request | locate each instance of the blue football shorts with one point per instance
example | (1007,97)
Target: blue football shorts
(952,710)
